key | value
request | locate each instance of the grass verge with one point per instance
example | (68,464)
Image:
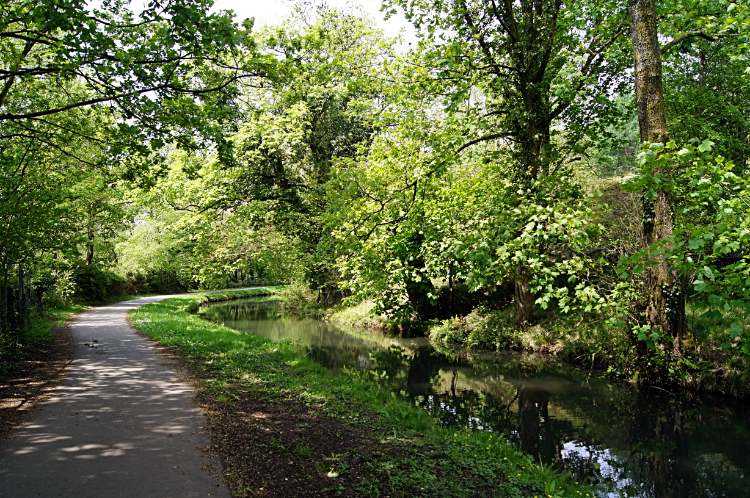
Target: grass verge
(17,347)
(34,364)
(285,426)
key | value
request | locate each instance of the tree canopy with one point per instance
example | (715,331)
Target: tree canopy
(582,162)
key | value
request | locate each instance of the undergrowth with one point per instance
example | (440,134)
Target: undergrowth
(432,461)
(705,362)
(15,347)
(358,316)
(299,300)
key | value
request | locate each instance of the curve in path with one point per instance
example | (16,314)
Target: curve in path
(119,425)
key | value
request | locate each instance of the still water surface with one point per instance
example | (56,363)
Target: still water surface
(635,442)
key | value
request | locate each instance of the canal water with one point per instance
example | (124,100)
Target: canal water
(635,442)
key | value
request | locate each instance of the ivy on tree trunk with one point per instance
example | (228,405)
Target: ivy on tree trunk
(665,296)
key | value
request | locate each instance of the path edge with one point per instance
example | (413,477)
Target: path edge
(49,370)
(177,362)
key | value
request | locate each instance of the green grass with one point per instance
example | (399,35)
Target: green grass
(433,461)
(58,314)
(228,295)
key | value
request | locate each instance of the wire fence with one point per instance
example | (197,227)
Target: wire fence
(20,296)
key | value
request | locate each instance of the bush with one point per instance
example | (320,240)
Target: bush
(135,284)
(298,299)
(152,282)
(483,328)
(94,284)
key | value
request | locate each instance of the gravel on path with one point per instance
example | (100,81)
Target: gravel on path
(121,424)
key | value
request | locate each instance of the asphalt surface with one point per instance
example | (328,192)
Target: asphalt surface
(119,425)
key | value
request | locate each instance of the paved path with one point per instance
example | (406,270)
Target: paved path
(119,424)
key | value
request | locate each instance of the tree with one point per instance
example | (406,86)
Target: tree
(290,128)
(151,66)
(421,228)
(315,111)
(523,67)
(40,171)
(665,289)
(90,93)
(705,89)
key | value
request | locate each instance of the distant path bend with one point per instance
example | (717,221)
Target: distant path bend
(119,425)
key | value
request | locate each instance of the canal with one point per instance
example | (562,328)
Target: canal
(631,440)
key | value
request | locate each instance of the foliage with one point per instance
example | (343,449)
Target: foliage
(614,155)
(155,251)
(534,62)
(149,66)
(94,284)
(299,300)
(704,91)
(505,93)
(482,328)
(15,348)
(710,257)
(259,218)
(84,93)
(470,225)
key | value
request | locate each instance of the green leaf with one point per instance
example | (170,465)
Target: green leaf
(708,272)
(696,243)
(735,330)
(706,146)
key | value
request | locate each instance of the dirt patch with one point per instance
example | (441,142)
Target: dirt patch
(278,447)
(24,391)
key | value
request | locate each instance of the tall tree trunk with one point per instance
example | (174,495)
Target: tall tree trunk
(652,116)
(533,154)
(524,300)
(90,247)
(665,306)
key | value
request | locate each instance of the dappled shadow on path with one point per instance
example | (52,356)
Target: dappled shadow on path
(120,424)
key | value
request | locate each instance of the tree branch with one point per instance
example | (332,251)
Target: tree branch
(11,80)
(692,34)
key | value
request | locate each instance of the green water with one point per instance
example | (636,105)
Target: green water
(635,442)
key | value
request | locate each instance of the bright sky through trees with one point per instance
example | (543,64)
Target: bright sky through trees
(273,11)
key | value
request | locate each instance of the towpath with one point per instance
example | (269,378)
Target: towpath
(119,425)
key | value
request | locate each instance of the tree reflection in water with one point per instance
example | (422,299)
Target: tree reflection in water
(635,442)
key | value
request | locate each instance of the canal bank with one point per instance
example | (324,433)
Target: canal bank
(627,439)
(316,432)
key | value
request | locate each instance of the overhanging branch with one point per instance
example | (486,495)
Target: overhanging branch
(693,34)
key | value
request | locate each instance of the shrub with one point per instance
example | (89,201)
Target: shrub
(298,299)
(94,284)
(482,328)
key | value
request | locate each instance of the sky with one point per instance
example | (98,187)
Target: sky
(273,11)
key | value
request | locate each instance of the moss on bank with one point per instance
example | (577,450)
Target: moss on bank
(703,364)
(358,316)
(414,458)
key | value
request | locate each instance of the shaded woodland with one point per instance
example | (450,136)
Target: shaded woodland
(567,178)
